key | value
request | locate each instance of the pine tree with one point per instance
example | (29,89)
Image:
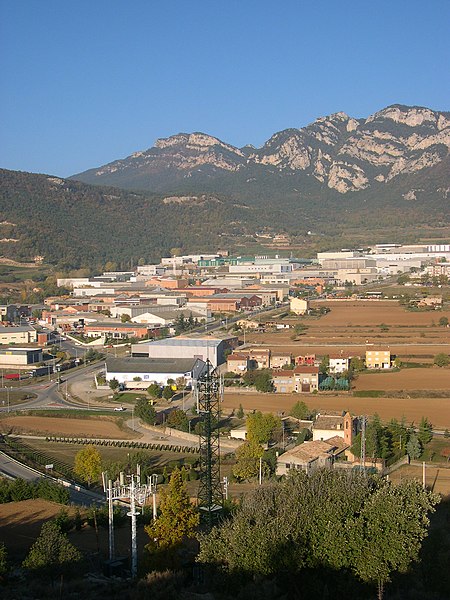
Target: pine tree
(51,552)
(177,517)
(425,431)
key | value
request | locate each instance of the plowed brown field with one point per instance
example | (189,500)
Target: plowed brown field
(433,378)
(349,326)
(437,410)
(372,313)
(95,428)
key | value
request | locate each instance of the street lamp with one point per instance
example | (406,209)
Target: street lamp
(7,394)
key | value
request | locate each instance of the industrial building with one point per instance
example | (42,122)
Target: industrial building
(205,348)
(139,373)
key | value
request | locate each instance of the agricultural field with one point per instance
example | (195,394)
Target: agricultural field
(437,410)
(434,378)
(350,325)
(98,427)
(66,453)
(437,478)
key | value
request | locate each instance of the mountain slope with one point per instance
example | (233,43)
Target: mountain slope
(73,224)
(339,152)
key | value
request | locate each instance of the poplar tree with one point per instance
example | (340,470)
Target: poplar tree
(88,464)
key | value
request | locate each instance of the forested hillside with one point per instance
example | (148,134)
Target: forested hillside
(72,224)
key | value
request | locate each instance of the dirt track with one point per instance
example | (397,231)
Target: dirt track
(436,409)
(98,427)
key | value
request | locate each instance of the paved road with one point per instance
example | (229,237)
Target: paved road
(51,394)
(16,470)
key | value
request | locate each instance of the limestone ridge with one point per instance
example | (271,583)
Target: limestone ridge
(337,151)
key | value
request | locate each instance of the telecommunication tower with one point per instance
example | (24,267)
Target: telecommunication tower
(209,391)
(136,493)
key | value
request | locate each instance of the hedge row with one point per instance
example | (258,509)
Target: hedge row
(124,444)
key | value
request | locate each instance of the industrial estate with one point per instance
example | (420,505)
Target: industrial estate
(176,392)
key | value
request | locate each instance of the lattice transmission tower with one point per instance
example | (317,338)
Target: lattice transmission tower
(209,391)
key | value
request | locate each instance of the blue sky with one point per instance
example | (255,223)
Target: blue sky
(87,82)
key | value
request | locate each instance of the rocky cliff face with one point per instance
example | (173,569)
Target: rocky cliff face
(338,151)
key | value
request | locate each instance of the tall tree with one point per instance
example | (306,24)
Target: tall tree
(247,460)
(88,464)
(178,419)
(177,521)
(300,411)
(154,390)
(51,552)
(261,427)
(425,431)
(145,411)
(387,534)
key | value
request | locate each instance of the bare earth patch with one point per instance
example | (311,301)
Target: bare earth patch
(437,410)
(100,427)
(350,325)
(372,313)
(21,522)
(436,478)
(405,379)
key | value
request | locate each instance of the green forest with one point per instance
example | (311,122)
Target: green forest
(75,225)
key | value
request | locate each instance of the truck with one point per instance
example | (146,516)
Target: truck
(14,376)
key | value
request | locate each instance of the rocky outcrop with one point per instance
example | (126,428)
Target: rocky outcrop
(341,152)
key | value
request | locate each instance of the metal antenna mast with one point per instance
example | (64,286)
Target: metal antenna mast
(136,493)
(208,391)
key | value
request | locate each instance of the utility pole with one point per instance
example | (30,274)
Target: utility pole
(153,485)
(260,470)
(133,514)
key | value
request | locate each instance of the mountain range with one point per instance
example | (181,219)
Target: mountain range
(337,152)
(336,183)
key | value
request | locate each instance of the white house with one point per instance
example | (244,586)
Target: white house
(338,363)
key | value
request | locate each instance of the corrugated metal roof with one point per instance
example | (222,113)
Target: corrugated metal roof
(150,365)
